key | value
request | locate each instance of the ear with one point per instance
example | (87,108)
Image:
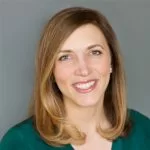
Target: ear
(110,70)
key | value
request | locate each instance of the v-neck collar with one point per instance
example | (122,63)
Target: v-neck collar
(115,145)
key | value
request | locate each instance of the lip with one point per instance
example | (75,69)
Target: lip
(85,90)
(86,81)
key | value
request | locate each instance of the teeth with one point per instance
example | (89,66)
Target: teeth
(85,85)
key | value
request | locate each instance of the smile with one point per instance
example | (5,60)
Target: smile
(85,87)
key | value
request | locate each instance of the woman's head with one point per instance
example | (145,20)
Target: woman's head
(82,67)
(59,34)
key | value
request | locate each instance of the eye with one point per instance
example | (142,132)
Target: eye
(64,57)
(96,52)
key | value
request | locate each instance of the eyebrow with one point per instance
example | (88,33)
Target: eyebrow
(95,45)
(89,47)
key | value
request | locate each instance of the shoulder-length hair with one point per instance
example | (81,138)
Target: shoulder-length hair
(48,111)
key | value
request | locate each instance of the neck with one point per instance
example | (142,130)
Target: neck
(85,118)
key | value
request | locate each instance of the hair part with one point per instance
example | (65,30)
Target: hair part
(48,108)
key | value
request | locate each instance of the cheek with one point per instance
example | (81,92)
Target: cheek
(103,64)
(62,74)
(103,67)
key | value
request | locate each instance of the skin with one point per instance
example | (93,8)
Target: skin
(83,57)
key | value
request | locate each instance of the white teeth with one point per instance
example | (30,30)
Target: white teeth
(85,85)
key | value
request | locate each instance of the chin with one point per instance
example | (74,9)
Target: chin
(88,103)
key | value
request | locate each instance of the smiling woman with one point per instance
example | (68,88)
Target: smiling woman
(80,94)
(82,74)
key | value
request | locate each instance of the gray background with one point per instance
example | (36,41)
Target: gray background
(21,22)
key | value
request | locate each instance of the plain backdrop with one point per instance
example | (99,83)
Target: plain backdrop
(21,23)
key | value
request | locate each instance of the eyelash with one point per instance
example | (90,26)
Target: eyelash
(63,58)
(96,52)
(93,52)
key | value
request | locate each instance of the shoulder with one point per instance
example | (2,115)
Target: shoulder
(140,120)
(22,136)
(139,135)
(16,136)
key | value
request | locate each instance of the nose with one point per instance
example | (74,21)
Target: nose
(83,68)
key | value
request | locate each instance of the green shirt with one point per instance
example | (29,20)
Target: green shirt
(23,136)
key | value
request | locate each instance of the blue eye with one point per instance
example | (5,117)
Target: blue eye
(96,52)
(63,58)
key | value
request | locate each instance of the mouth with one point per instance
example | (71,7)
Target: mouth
(86,86)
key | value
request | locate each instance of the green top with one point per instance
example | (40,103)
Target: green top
(23,136)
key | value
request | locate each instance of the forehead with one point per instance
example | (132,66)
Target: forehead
(83,37)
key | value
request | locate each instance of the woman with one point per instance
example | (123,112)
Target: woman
(80,96)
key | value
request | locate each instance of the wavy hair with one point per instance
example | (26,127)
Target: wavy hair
(48,107)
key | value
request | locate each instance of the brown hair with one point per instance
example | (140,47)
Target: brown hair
(48,111)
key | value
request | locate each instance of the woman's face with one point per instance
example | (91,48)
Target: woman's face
(82,67)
